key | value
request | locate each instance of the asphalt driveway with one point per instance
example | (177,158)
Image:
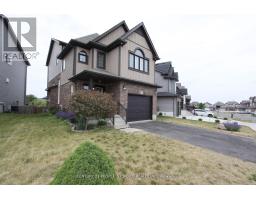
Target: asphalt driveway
(239,147)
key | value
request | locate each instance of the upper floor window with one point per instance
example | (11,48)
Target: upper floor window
(138,61)
(83,57)
(101,60)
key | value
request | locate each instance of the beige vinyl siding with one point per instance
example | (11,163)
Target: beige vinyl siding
(112,59)
(112,36)
(82,66)
(53,69)
(68,72)
(137,41)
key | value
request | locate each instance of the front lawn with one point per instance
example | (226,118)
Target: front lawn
(34,147)
(244,130)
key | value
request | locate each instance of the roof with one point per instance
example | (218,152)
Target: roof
(166,94)
(93,40)
(107,76)
(122,23)
(51,47)
(9,28)
(87,38)
(167,70)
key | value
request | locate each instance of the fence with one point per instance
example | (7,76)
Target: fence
(28,109)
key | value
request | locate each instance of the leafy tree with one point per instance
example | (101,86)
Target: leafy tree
(30,98)
(201,106)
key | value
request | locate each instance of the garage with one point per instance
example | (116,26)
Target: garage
(139,107)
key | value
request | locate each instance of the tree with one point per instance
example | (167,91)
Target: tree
(30,98)
(201,106)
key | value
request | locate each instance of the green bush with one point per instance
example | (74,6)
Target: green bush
(53,109)
(80,123)
(102,122)
(225,118)
(160,114)
(88,165)
(200,119)
(217,121)
(184,118)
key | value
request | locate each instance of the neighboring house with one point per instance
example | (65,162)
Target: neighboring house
(208,105)
(231,106)
(185,99)
(13,73)
(172,96)
(121,61)
(244,105)
(253,103)
(168,101)
(219,106)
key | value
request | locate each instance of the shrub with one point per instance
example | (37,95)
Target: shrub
(88,165)
(80,123)
(53,109)
(66,115)
(93,104)
(102,122)
(217,121)
(253,177)
(232,126)
(200,119)
(225,118)
(184,118)
(160,114)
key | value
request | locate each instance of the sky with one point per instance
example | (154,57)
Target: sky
(214,52)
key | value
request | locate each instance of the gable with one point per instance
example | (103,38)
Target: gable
(112,36)
(139,39)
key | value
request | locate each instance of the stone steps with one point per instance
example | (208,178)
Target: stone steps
(119,122)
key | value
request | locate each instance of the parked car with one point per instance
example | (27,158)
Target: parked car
(201,112)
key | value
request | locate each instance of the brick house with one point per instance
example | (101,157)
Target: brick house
(121,61)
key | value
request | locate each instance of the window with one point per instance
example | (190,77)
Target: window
(63,65)
(101,60)
(82,57)
(137,61)
(57,61)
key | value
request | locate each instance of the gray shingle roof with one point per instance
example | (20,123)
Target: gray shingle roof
(87,38)
(167,70)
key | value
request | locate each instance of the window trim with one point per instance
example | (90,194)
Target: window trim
(144,58)
(104,62)
(81,54)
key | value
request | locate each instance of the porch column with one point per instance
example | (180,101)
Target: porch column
(91,84)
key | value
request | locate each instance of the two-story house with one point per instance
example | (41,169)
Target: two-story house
(172,96)
(13,72)
(121,61)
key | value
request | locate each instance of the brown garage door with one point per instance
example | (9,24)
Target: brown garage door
(139,107)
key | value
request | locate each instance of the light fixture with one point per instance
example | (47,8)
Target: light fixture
(124,88)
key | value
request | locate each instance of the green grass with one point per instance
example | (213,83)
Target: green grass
(88,165)
(33,148)
(244,130)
